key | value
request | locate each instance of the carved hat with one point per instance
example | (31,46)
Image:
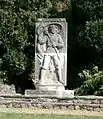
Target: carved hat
(56,25)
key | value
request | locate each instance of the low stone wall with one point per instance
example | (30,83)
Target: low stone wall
(90,103)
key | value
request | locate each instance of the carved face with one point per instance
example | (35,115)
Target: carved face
(53,29)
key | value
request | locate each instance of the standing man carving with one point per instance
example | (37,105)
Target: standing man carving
(53,42)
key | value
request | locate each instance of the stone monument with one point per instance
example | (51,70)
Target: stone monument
(51,57)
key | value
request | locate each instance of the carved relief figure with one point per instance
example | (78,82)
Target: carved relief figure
(49,44)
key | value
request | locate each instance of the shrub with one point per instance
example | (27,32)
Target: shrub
(93,82)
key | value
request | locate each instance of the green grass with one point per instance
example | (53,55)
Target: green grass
(31,116)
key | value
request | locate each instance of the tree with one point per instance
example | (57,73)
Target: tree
(86,50)
(93,8)
(92,37)
(17,35)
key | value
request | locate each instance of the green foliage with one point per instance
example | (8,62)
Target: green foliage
(17,33)
(92,35)
(93,82)
(87,46)
(93,8)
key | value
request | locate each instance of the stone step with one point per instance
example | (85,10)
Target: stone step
(55,93)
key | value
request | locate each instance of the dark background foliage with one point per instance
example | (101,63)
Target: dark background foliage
(85,41)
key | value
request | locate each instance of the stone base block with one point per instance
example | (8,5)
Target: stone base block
(45,90)
(50,87)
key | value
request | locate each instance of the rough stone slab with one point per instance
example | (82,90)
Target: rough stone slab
(57,93)
(38,92)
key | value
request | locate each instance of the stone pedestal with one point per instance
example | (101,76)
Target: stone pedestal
(51,58)
(50,90)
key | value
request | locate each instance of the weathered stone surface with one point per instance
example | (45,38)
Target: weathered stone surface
(95,101)
(77,107)
(34,105)
(69,101)
(9,105)
(89,108)
(39,106)
(84,101)
(56,107)
(6,89)
(50,59)
(14,101)
(55,92)
(24,105)
(71,107)
(97,109)
(16,105)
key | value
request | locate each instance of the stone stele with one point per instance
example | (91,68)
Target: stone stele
(51,57)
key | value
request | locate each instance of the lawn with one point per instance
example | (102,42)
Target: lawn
(31,116)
